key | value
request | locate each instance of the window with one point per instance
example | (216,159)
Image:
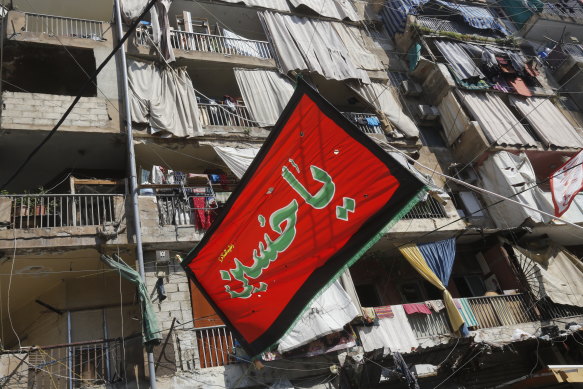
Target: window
(430,137)
(368,295)
(470,286)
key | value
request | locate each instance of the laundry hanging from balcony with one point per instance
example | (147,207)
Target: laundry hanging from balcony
(265,92)
(392,334)
(164,98)
(238,159)
(496,120)
(335,9)
(553,273)
(313,45)
(381,98)
(508,174)
(459,61)
(543,115)
(434,261)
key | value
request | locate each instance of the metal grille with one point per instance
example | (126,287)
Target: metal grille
(364,121)
(215,345)
(224,115)
(63,26)
(430,325)
(550,310)
(43,211)
(498,311)
(428,209)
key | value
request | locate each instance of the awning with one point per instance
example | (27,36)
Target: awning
(265,92)
(327,314)
(237,159)
(508,174)
(550,125)
(335,9)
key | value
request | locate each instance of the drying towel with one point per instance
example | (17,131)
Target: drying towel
(436,305)
(384,312)
(416,308)
(467,313)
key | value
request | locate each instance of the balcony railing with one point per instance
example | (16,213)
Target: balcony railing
(428,209)
(430,325)
(573,10)
(77,365)
(215,346)
(63,210)
(193,41)
(367,123)
(63,26)
(225,115)
(504,310)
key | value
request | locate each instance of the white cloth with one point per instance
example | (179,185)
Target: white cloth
(496,120)
(237,159)
(244,46)
(327,314)
(161,28)
(566,182)
(336,9)
(550,125)
(459,60)
(313,45)
(279,5)
(355,44)
(131,9)
(391,335)
(265,92)
(553,273)
(381,98)
(453,119)
(507,174)
(163,98)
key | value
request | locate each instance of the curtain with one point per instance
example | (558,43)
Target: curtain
(381,98)
(439,257)
(496,120)
(336,9)
(164,98)
(412,253)
(543,115)
(152,335)
(237,159)
(265,92)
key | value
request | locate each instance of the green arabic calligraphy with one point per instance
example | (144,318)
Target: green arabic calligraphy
(323,197)
(267,252)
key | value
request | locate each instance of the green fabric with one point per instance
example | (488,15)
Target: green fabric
(519,12)
(152,335)
(414,55)
(481,84)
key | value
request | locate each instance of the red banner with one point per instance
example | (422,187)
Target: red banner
(316,193)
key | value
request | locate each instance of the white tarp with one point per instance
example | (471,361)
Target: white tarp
(313,45)
(459,60)
(550,125)
(566,182)
(237,159)
(164,98)
(327,314)
(337,9)
(453,119)
(131,9)
(265,92)
(391,335)
(381,98)
(355,43)
(507,174)
(553,273)
(496,120)
(280,5)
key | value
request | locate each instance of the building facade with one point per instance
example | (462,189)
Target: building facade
(486,92)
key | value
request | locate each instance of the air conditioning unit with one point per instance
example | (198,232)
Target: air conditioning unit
(428,112)
(410,88)
(162,256)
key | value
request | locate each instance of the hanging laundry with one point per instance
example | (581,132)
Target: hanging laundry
(519,86)
(410,309)
(392,334)
(436,305)
(384,312)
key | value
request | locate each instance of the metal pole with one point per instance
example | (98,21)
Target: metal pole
(133,175)
(69,350)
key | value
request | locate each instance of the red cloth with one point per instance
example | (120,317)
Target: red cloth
(416,308)
(519,86)
(203,220)
(384,312)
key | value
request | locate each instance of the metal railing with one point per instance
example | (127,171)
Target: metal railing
(77,365)
(550,310)
(504,310)
(428,209)
(215,346)
(225,115)
(193,41)
(176,210)
(63,210)
(429,325)
(63,26)
(573,10)
(366,122)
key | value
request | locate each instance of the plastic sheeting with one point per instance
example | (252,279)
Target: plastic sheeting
(453,119)
(354,42)
(392,334)
(279,5)
(496,120)
(164,98)
(554,273)
(507,174)
(336,9)
(313,45)
(380,97)
(550,125)
(459,60)
(265,92)
(237,159)
(327,314)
